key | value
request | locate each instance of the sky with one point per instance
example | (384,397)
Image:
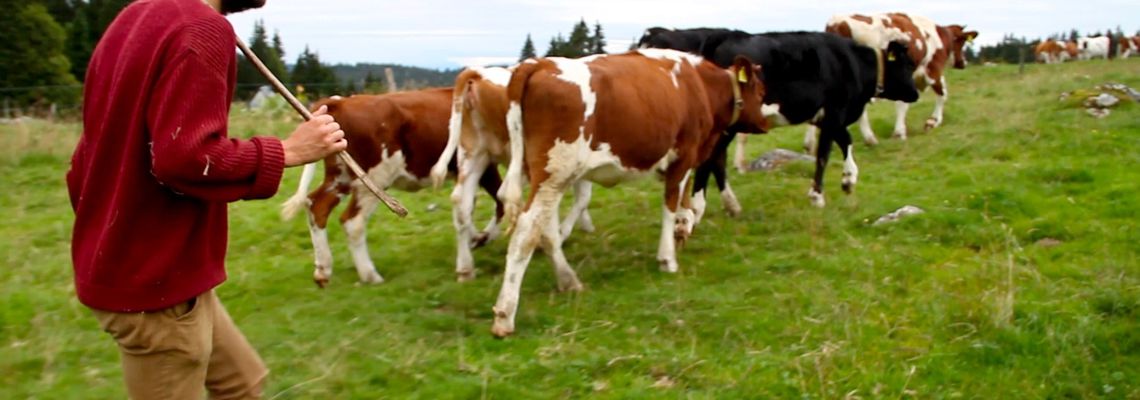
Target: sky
(450,34)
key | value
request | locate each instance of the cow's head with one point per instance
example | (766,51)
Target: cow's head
(746,76)
(960,37)
(898,74)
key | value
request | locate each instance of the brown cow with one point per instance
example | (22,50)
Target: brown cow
(397,138)
(1129,46)
(1050,51)
(478,137)
(607,119)
(932,47)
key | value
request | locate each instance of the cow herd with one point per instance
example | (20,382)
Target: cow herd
(1051,51)
(671,108)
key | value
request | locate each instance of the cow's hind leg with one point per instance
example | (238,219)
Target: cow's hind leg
(321,203)
(720,173)
(536,225)
(865,128)
(739,160)
(935,119)
(355,222)
(822,152)
(490,182)
(676,221)
(579,213)
(463,207)
(901,108)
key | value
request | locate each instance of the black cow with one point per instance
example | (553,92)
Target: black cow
(811,77)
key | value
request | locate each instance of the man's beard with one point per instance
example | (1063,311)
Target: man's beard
(234,6)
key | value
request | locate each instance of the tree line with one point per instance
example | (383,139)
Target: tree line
(45,46)
(582,42)
(1012,49)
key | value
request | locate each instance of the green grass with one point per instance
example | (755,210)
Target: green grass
(785,301)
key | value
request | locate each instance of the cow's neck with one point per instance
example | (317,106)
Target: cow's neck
(724,96)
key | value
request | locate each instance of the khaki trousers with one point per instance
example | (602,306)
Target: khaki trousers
(177,352)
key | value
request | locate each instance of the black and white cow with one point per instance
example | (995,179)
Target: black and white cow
(811,77)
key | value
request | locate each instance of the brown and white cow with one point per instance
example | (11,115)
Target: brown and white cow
(1050,51)
(1129,46)
(932,47)
(608,119)
(396,137)
(478,139)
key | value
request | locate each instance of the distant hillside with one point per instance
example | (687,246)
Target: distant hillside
(406,77)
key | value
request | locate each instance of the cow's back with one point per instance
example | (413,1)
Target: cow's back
(411,123)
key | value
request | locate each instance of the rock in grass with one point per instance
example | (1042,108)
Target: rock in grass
(776,158)
(1098,112)
(898,214)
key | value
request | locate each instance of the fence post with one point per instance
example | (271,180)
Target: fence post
(1021,60)
(7,108)
(51,112)
(391,79)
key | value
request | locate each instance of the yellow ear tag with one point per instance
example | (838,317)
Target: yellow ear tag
(742,76)
(970,39)
(890,56)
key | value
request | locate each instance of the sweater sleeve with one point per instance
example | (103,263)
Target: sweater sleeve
(187,121)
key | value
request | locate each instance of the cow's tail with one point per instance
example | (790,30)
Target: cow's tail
(510,193)
(464,83)
(300,199)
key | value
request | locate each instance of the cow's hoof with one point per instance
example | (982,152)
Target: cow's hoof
(570,285)
(931,124)
(899,135)
(321,282)
(871,141)
(816,199)
(465,276)
(371,278)
(848,188)
(503,326)
(480,240)
(669,266)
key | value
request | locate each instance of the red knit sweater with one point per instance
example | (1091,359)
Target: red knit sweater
(154,168)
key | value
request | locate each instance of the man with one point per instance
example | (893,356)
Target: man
(149,183)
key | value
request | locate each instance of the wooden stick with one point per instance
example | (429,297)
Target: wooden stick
(344,157)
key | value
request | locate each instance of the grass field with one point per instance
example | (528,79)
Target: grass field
(786,301)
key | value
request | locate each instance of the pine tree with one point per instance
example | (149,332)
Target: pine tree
(33,55)
(1074,35)
(319,80)
(598,41)
(527,50)
(105,11)
(557,47)
(80,41)
(268,54)
(277,46)
(248,78)
(579,42)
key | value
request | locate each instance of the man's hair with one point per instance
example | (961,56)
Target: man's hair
(235,6)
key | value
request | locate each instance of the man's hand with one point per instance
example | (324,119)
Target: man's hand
(314,139)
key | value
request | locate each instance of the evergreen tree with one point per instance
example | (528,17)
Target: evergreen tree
(248,78)
(579,42)
(32,54)
(1074,35)
(278,47)
(105,11)
(557,47)
(80,41)
(527,50)
(598,41)
(318,79)
(373,84)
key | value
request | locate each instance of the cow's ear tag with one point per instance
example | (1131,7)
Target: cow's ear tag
(970,39)
(890,56)
(742,76)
